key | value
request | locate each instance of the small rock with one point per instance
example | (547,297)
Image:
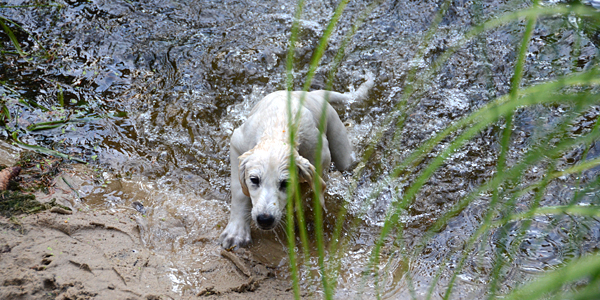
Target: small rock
(139,207)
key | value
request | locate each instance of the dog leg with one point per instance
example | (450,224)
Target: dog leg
(339,145)
(237,232)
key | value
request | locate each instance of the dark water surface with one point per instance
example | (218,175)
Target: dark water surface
(162,85)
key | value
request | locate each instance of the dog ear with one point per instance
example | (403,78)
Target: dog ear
(306,173)
(243,159)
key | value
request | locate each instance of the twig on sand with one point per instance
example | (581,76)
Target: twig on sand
(237,262)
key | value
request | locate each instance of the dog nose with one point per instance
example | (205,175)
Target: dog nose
(265,221)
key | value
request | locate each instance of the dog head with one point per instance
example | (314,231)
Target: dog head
(264,176)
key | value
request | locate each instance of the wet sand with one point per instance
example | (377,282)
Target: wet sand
(99,255)
(91,253)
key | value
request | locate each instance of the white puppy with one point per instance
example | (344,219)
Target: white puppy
(260,155)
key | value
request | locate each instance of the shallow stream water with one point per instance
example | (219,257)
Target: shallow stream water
(162,85)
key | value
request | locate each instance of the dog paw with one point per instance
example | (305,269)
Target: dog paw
(235,236)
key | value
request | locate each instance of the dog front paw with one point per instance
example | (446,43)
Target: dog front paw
(235,236)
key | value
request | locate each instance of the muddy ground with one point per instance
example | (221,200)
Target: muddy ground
(100,254)
(90,255)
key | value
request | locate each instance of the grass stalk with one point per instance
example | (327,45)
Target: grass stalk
(294,183)
(416,156)
(14,39)
(553,281)
(45,150)
(315,60)
(513,174)
(506,134)
(501,108)
(11,36)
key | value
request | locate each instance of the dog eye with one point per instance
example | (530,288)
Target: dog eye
(254,180)
(283,185)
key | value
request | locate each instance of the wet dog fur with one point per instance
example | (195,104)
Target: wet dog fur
(260,153)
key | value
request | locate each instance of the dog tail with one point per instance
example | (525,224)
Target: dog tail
(363,91)
(356,96)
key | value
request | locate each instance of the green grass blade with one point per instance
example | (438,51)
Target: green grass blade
(502,107)
(417,155)
(553,281)
(45,150)
(46,53)
(506,134)
(46,125)
(485,120)
(294,183)
(11,36)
